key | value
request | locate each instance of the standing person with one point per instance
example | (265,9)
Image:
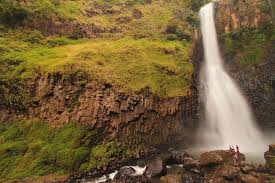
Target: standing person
(238,150)
(238,154)
(231,150)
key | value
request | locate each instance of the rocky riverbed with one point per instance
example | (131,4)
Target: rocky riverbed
(175,166)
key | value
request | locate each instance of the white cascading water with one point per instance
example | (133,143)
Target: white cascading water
(228,118)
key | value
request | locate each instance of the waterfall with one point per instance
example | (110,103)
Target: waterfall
(228,118)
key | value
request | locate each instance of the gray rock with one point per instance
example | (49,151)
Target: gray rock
(155,168)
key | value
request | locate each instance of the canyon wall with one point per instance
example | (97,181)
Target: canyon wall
(134,117)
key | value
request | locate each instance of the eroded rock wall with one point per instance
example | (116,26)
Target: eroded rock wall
(135,117)
(234,14)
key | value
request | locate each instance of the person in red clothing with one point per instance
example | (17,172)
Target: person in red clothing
(238,150)
(231,151)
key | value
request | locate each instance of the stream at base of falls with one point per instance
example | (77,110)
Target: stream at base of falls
(251,157)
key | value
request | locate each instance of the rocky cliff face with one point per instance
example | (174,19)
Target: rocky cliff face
(234,14)
(241,19)
(258,85)
(136,117)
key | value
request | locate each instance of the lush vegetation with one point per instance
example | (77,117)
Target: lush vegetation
(125,16)
(250,46)
(32,148)
(136,44)
(129,64)
(144,44)
(149,49)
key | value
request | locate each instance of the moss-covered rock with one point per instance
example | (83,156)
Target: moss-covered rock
(270,158)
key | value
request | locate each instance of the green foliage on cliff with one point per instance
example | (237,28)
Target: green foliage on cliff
(13,94)
(13,12)
(142,18)
(148,47)
(249,45)
(31,148)
(127,63)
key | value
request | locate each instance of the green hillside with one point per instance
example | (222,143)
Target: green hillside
(137,44)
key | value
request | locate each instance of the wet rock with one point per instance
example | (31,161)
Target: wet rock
(210,159)
(248,179)
(191,163)
(228,172)
(262,169)
(177,157)
(123,172)
(195,170)
(227,158)
(155,168)
(247,168)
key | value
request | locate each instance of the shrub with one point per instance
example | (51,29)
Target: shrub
(34,37)
(183,34)
(13,94)
(11,13)
(192,20)
(58,41)
(175,32)
(171,37)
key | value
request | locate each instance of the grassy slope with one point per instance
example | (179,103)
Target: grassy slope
(130,64)
(124,58)
(140,55)
(31,148)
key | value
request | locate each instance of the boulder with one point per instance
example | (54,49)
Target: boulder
(227,158)
(124,171)
(228,172)
(210,159)
(176,157)
(262,169)
(155,168)
(247,168)
(191,163)
(247,179)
